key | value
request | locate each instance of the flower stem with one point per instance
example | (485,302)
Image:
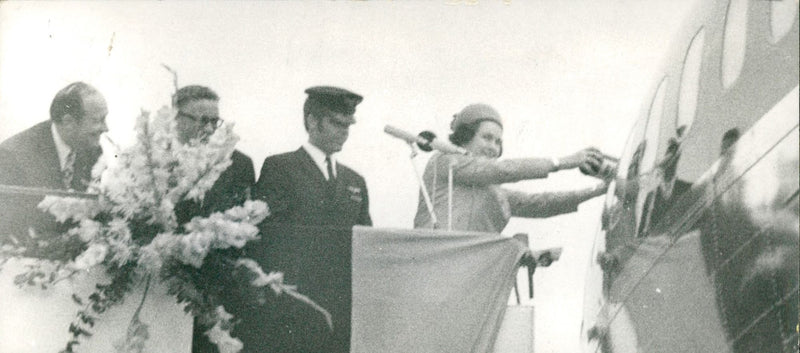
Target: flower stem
(144,296)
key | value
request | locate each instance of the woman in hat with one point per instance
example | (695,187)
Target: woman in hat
(478,201)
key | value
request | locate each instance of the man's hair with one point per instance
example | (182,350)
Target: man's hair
(464,133)
(69,100)
(192,93)
(315,108)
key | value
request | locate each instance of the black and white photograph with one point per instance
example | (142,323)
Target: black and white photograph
(499,176)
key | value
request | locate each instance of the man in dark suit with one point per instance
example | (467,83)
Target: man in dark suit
(309,187)
(196,120)
(59,153)
(298,186)
(54,154)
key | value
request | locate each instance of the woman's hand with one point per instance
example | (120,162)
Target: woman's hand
(590,158)
(601,188)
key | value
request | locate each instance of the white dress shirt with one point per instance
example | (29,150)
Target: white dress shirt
(319,159)
(61,147)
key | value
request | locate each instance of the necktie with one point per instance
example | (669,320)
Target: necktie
(329,164)
(68,172)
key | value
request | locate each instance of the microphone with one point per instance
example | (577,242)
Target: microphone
(434,143)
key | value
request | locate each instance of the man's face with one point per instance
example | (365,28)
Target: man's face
(329,132)
(197,119)
(84,133)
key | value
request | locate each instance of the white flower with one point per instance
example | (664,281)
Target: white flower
(193,248)
(88,230)
(240,234)
(222,314)
(66,208)
(120,241)
(144,182)
(94,255)
(151,256)
(273,279)
(223,232)
(251,211)
(225,343)
(150,260)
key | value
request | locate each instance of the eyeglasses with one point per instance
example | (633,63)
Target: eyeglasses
(214,121)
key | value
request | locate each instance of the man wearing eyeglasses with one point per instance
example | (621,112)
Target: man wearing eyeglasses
(197,119)
(198,113)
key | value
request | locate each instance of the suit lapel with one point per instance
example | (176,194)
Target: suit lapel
(50,164)
(308,166)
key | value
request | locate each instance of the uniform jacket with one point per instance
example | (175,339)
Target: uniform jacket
(298,193)
(479,203)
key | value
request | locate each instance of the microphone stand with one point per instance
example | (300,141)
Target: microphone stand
(450,195)
(425,194)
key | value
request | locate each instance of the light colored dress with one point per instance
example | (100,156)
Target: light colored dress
(479,203)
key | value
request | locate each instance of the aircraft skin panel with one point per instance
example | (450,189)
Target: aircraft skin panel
(699,250)
(674,306)
(780,121)
(729,283)
(752,250)
(768,73)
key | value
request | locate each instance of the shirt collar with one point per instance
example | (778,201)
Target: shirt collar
(61,147)
(318,156)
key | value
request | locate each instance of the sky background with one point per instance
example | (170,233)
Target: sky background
(563,74)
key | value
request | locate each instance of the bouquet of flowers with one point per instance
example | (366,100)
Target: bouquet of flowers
(130,230)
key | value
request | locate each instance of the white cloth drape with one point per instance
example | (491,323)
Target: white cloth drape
(430,291)
(33,320)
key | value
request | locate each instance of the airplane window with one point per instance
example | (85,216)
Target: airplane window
(734,42)
(626,165)
(782,15)
(653,127)
(637,158)
(690,80)
(626,186)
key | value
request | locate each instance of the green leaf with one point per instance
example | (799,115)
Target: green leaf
(77,299)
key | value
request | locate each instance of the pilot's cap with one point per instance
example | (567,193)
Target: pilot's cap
(335,99)
(473,113)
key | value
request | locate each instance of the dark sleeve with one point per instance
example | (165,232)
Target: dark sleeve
(239,181)
(231,189)
(12,207)
(273,187)
(363,217)
(9,170)
(247,175)
(200,342)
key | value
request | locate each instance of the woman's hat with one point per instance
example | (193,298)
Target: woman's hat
(473,113)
